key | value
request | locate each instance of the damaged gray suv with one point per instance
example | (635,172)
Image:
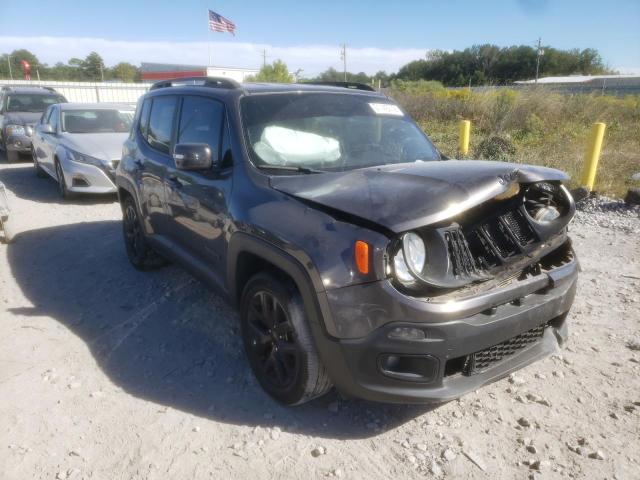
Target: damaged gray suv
(357,255)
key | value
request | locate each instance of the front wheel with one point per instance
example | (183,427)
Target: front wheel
(12,156)
(62,185)
(278,341)
(36,165)
(7,231)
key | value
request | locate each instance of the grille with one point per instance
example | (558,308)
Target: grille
(480,361)
(518,227)
(461,260)
(489,243)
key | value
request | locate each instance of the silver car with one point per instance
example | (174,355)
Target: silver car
(80,145)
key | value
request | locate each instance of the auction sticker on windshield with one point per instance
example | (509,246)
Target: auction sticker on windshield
(386,109)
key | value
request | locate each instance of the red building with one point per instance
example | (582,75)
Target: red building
(152,72)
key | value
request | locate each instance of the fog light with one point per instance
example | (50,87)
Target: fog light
(414,368)
(407,333)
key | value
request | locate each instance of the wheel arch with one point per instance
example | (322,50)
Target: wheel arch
(248,255)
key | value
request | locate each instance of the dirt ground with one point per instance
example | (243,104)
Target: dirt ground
(109,373)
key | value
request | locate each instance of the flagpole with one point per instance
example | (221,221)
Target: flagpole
(208,38)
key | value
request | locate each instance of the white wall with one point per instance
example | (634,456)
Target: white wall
(90,92)
(237,74)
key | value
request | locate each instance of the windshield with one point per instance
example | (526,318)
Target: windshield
(96,121)
(329,131)
(24,102)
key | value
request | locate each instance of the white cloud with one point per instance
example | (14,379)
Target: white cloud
(311,58)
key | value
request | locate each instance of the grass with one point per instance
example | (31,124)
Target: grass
(537,126)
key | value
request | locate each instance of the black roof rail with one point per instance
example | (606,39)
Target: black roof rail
(213,82)
(9,87)
(351,85)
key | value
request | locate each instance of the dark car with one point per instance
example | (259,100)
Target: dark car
(357,255)
(20,109)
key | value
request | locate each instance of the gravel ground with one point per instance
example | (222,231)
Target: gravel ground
(106,372)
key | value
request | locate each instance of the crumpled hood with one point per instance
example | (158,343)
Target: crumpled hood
(405,196)
(22,118)
(104,146)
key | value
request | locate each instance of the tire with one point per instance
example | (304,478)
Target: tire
(278,341)
(62,185)
(40,173)
(139,252)
(12,156)
(7,231)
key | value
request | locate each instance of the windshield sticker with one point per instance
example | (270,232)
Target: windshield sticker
(386,109)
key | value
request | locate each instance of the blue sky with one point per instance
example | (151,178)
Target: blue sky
(307,34)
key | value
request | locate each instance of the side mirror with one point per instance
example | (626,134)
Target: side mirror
(193,156)
(47,128)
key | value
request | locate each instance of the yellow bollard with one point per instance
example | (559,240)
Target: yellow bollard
(593,155)
(465,133)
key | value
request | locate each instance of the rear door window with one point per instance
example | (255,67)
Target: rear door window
(144,118)
(161,123)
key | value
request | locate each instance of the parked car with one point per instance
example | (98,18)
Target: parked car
(80,144)
(20,109)
(356,255)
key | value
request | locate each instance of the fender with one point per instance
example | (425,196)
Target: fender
(308,283)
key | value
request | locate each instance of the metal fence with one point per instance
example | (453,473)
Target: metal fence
(90,92)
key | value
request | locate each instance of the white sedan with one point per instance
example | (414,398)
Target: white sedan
(80,145)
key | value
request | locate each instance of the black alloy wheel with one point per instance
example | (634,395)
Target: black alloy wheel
(272,340)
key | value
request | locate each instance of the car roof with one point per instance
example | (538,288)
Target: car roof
(225,87)
(30,90)
(96,106)
(302,87)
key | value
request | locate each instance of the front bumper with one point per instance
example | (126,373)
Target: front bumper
(19,143)
(85,178)
(453,331)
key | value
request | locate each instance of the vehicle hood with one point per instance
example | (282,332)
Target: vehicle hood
(104,146)
(405,196)
(22,118)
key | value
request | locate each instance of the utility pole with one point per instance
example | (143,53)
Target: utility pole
(539,53)
(101,72)
(343,57)
(9,63)
(264,57)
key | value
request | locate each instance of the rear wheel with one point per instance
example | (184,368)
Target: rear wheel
(279,343)
(140,254)
(36,165)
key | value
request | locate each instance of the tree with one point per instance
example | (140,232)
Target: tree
(276,72)
(125,72)
(490,65)
(16,68)
(92,67)
(333,75)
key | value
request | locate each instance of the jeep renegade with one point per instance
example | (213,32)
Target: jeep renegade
(359,257)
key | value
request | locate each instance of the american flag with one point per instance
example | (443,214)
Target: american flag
(217,23)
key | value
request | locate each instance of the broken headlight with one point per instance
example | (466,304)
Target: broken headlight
(410,259)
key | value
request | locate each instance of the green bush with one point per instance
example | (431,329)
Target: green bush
(533,126)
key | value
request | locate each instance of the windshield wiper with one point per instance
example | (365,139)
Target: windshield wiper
(289,168)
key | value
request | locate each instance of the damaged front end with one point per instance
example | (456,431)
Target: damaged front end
(518,233)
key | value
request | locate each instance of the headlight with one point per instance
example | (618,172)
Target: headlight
(15,130)
(82,158)
(409,261)
(546,214)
